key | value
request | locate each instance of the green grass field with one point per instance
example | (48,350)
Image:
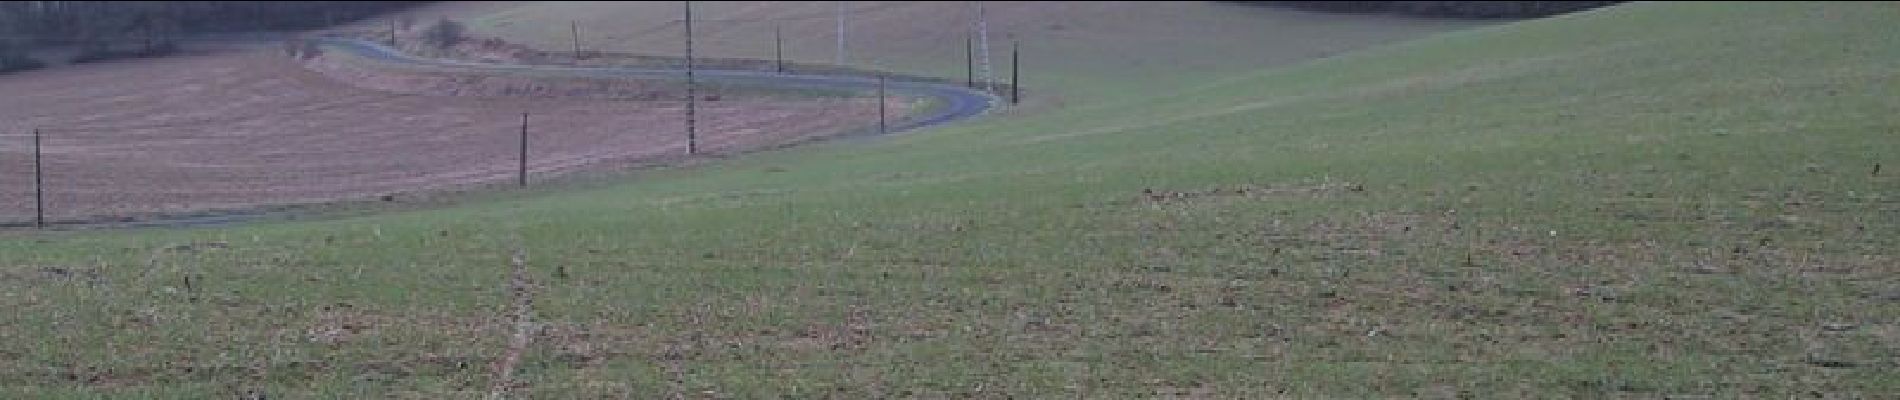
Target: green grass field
(1648,200)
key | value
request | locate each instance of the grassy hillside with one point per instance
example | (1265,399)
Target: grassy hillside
(1646,200)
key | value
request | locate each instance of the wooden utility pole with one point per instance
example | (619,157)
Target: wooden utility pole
(880,105)
(969,59)
(1015,71)
(778,49)
(392,32)
(692,95)
(39,185)
(522,172)
(983,47)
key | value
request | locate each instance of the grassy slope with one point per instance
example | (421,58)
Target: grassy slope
(1646,200)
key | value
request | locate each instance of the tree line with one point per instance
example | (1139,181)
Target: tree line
(1449,9)
(152,27)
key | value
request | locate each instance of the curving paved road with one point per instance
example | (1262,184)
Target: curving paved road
(957,102)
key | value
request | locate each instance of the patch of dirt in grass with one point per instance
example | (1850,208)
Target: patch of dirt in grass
(588,345)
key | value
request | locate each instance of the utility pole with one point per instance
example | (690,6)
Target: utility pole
(692,96)
(969,59)
(392,32)
(522,172)
(575,26)
(983,42)
(880,105)
(840,61)
(39,185)
(1015,72)
(778,49)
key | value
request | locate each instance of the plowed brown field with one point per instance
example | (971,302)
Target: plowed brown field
(237,129)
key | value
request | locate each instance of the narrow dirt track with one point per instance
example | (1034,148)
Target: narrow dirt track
(212,139)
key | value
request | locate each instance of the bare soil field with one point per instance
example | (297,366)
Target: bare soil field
(1071,50)
(239,129)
